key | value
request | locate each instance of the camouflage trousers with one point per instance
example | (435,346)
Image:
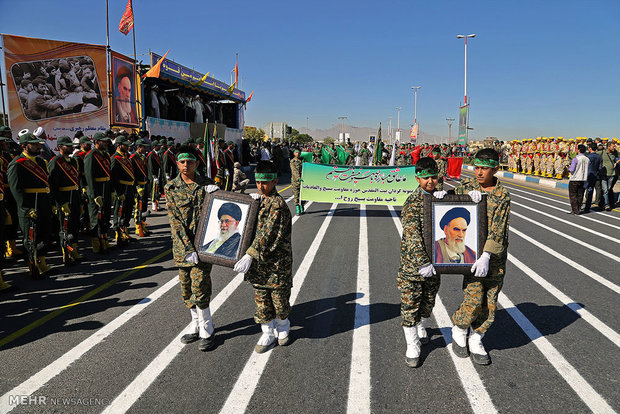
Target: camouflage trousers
(296,188)
(196,285)
(271,304)
(479,302)
(417,299)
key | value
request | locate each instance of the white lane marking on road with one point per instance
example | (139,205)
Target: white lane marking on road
(582,216)
(42,377)
(582,388)
(478,397)
(289,199)
(581,243)
(568,261)
(564,203)
(136,388)
(580,227)
(246,384)
(596,323)
(359,377)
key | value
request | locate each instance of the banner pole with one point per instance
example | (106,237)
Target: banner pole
(135,65)
(108,63)
(5,116)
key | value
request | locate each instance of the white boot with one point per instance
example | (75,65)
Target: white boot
(459,341)
(267,339)
(205,329)
(412,356)
(421,328)
(283,327)
(153,206)
(478,353)
(192,331)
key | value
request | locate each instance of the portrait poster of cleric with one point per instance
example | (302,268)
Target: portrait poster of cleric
(224,230)
(124,93)
(455,233)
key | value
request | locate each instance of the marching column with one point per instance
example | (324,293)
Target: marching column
(97,172)
(123,180)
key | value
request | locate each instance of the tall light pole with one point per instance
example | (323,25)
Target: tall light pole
(308,125)
(465,37)
(450,120)
(390,130)
(398,108)
(415,103)
(342,118)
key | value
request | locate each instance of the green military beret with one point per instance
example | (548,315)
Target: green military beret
(28,138)
(100,136)
(190,141)
(85,140)
(155,143)
(65,140)
(142,142)
(109,132)
(229,143)
(122,139)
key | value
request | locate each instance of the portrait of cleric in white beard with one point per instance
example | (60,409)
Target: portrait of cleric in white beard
(224,229)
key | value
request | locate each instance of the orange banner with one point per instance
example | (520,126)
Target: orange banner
(60,86)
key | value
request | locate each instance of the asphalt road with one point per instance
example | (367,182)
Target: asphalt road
(105,336)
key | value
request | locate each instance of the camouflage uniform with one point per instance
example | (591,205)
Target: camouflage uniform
(480,293)
(296,165)
(351,156)
(417,292)
(184,202)
(316,155)
(365,156)
(271,272)
(442,166)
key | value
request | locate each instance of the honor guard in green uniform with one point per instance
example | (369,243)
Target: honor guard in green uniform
(9,201)
(201,168)
(65,189)
(169,162)
(185,196)
(268,262)
(153,162)
(482,286)
(123,181)
(3,223)
(98,174)
(85,147)
(140,169)
(29,182)
(296,167)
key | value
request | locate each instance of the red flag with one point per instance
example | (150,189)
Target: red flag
(126,23)
(236,73)
(154,71)
(455,164)
(249,97)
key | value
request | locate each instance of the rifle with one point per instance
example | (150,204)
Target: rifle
(32,248)
(66,237)
(119,217)
(154,198)
(100,235)
(139,216)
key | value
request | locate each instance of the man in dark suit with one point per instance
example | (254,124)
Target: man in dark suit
(452,248)
(594,179)
(227,241)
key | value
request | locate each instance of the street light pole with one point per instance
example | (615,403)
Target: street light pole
(342,118)
(390,131)
(449,129)
(465,37)
(415,103)
(308,125)
(398,108)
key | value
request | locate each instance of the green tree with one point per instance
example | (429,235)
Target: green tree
(254,134)
(328,140)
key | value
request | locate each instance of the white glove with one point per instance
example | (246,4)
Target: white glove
(440,194)
(243,265)
(211,188)
(156,180)
(427,271)
(475,196)
(167,177)
(481,267)
(192,258)
(255,196)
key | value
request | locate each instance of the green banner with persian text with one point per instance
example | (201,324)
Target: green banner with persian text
(357,185)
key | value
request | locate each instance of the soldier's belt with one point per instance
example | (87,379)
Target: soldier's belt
(45,190)
(140,182)
(102,179)
(125,182)
(69,188)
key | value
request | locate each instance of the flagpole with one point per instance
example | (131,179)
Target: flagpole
(135,66)
(108,63)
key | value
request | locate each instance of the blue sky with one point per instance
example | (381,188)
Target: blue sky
(548,68)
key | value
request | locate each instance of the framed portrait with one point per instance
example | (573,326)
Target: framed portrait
(226,227)
(124,92)
(455,232)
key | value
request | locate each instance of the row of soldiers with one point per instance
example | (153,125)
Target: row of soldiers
(545,156)
(77,191)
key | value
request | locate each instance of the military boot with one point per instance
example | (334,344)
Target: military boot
(11,250)
(478,353)
(206,329)
(283,326)
(192,332)
(147,232)
(125,235)
(74,253)
(3,284)
(119,237)
(67,259)
(421,328)
(96,244)
(42,265)
(267,339)
(412,355)
(105,245)
(459,342)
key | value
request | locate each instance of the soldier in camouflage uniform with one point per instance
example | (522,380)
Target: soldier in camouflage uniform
(417,280)
(481,288)
(442,168)
(296,166)
(350,155)
(185,196)
(268,262)
(364,155)
(317,152)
